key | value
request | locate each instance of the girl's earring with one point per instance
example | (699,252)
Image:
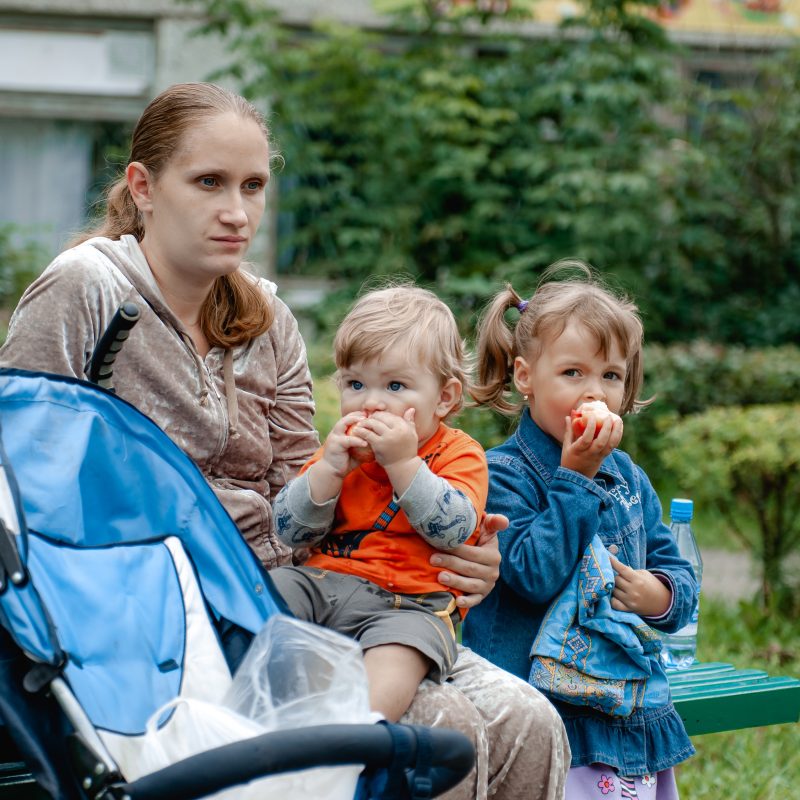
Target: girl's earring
(524,397)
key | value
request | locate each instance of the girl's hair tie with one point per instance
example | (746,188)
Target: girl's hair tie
(522,305)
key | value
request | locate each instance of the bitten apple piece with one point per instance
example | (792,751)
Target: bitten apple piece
(584,412)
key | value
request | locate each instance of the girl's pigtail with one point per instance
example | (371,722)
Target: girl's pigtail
(495,355)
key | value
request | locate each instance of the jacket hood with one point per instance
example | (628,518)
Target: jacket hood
(128,258)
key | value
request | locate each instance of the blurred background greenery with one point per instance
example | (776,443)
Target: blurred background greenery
(450,149)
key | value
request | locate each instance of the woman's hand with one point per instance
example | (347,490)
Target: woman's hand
(473,569)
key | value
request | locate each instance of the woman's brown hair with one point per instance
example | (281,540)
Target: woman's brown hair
(579,295)
(236,310)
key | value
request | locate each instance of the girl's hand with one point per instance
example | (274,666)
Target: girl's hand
(473,569)
(639,591)
(586,453)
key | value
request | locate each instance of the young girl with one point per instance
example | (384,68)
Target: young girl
(567,492)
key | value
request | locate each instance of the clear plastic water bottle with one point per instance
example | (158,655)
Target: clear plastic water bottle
(678,649)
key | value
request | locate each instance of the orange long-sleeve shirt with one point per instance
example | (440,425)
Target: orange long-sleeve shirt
(371,536)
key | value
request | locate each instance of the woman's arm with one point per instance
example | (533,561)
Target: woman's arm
(473,569)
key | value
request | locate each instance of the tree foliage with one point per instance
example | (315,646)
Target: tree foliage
(467,156)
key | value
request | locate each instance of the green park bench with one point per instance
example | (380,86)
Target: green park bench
(717,697)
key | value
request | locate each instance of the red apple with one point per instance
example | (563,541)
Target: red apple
(361,454)
(584,412)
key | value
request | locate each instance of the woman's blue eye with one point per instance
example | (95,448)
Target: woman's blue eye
(208,181)
(396,386)
(253,186)
(357,385)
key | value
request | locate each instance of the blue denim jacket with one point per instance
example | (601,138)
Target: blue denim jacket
(554,514)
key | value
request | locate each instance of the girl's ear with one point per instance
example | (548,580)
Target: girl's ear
(449,397)
(523,375)
(140,185)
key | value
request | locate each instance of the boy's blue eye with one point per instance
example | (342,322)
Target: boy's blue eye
(357,385)
(208,181)
(396,386)
(571,373)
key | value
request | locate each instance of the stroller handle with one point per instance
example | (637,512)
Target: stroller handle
(449,753)
(101,367)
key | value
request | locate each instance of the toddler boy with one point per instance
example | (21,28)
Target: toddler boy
(391,485)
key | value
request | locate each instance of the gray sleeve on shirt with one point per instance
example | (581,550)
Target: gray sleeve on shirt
(299,521)
(443,516)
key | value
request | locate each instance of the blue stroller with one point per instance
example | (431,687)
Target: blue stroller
(107,529)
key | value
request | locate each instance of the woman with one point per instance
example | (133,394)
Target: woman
(217,361)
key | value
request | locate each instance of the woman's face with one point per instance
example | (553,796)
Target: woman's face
(203,210)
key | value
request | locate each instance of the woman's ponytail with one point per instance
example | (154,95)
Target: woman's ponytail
(121,216)
(235,311)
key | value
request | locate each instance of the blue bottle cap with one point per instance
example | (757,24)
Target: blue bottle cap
(681,509)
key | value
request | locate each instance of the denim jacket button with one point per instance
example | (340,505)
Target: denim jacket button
(613,549)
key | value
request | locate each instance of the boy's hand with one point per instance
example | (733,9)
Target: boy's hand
(325,477)
(394,441)
(639,591)
(585,453)
(336,450)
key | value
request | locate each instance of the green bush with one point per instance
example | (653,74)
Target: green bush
(745,463)
(690,378)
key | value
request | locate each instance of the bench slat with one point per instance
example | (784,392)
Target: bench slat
(718,697)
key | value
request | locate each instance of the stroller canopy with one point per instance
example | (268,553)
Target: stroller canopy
(101,488)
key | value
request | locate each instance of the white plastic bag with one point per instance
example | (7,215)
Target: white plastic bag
(294,675)
(297,674)
(186,726)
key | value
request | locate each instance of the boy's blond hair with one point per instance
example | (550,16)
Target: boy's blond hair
(410,318)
